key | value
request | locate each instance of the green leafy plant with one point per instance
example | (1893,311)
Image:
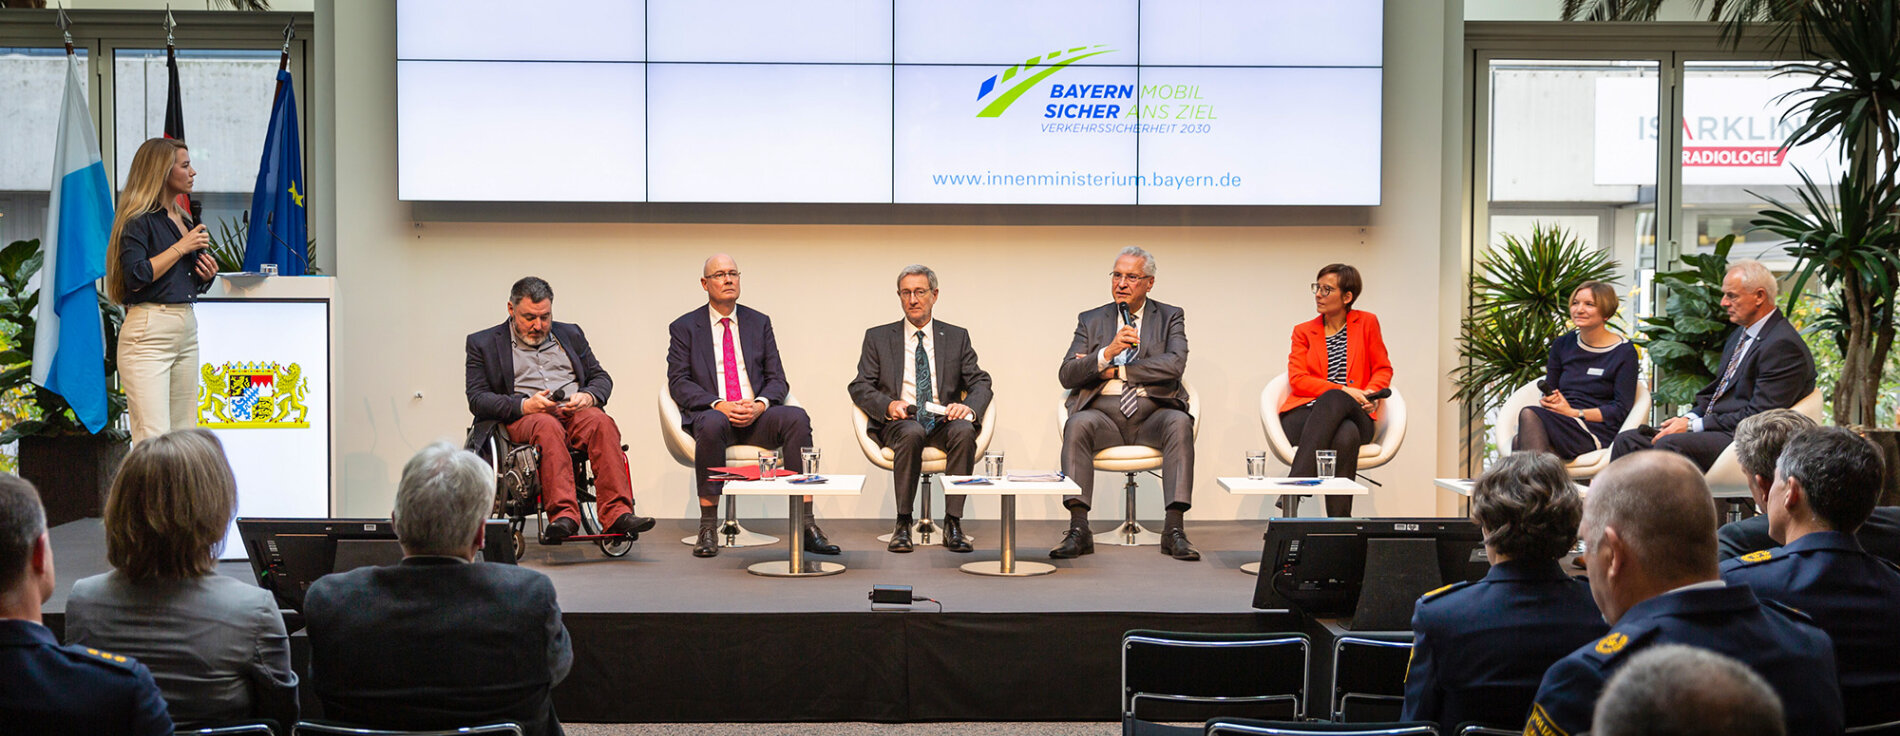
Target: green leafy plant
(228,246)
(1521,296)
(42,412)
(1685,342)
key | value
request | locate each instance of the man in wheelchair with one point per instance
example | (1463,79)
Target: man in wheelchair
(538,380)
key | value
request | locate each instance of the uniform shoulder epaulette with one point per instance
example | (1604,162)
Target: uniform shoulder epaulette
(1460,585)
(1614,644)
(1758,557)
(1792,612)
(88,654)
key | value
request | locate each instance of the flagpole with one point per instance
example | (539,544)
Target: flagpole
(283,60)
(65,28)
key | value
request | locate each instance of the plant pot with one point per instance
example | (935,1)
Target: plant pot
(71,473)
(1888,440)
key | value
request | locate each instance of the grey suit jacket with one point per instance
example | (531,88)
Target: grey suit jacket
(215,645)
(882,360)
(1159,361)
(435,643)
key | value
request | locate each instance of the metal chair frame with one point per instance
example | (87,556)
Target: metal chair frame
(612,546)
(1131,701)
(1223,727)
(1337,701)
(337,729)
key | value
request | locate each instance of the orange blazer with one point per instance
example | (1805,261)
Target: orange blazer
(1368,368)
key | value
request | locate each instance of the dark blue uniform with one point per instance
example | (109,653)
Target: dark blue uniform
(49,689)
(1853,596)
(1794,657)
(1480,649)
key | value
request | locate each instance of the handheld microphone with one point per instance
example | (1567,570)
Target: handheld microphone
(1543,384)
(197,212)
(1647,431)
(1383,393)
(559,395)
(1128,318)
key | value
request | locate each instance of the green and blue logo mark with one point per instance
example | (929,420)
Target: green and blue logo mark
(1049,63)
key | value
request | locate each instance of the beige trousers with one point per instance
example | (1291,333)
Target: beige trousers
(158,368)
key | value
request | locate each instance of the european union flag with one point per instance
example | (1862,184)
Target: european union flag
(278,233)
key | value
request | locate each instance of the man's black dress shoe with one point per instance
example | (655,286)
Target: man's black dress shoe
(1175,542)
(630,525)
(900,538)
(953,538)
(708,543)
(559,530)
(816,543)
(1075,543)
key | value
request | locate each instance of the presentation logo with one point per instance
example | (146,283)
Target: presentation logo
(253,396)
(1042,66)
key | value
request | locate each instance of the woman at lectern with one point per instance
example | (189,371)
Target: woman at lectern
(215,645)
(156,266)
(1338,362)
(1480,649)
(1589,382)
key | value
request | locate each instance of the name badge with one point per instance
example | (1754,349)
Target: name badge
(1595,371)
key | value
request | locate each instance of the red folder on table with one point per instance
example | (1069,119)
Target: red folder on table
(743,473)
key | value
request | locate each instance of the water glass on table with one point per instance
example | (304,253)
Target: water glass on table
(993,464)
(1256,465)
(1326,461)
(810,456)
(768,465)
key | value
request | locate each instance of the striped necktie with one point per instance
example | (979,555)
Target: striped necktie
(1728,374)
(924,393)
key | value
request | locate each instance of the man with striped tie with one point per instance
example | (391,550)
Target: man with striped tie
(723,369)
(1764,366)
(919,384)
(1123,372)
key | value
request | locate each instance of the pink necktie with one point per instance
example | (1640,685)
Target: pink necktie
(732,363)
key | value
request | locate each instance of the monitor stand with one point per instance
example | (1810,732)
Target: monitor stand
(1397,572)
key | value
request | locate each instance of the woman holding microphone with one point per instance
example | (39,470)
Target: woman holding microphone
(156,266)
(1338,358)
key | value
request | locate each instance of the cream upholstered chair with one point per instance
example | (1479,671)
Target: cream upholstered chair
(1388,431)
(1725,477)
(935,461)
(1585,466)
(1129,460)
(680,443)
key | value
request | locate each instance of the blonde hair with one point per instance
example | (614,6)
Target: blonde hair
(169,507)
(144,193)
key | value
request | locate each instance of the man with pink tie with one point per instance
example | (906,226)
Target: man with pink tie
(723,369)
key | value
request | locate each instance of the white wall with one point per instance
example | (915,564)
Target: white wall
(410,290)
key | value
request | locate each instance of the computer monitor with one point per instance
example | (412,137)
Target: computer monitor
(287,555)
(1319,567)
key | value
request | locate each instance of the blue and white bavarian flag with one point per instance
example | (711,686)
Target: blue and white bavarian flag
(69,343)
(278,234)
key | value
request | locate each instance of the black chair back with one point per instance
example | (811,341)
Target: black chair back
(1177,676)
(1249,727)
(1369,679)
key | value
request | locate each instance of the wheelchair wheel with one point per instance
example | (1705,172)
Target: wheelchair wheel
(590,524)
(521,542)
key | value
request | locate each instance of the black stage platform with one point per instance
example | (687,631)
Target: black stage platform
(661,636)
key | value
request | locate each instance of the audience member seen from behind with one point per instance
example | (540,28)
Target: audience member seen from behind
(47,689)
(1758,443)
(215,644)
(1590,378)
(438,641)
(1337,359)
(1674,690)
(1649,531)
(1481,648)
(1825,486)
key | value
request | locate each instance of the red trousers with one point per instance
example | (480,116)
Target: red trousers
(591,430)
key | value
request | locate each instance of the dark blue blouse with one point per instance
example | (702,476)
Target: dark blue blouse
(1595,380)
(147,236)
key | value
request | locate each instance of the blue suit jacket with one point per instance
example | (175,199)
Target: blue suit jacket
(1795,658)
(1480,649)
(49,689)
(692,377)
(1851,595)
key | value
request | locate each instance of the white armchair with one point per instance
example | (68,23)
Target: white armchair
(681,445)
(1725,477)
(935,461)
(1585,466)
(1388,430)
(1129,460)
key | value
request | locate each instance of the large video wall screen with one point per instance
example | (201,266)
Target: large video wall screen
(1247,102)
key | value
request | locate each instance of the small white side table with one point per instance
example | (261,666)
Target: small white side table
(797,566)
(1009,490)
(1293,487)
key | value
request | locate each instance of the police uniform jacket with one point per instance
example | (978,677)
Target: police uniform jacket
(49,689)
(1853,596)
(1480,648)
(1793,656)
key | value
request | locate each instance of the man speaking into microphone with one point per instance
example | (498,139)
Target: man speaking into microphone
(1123,372)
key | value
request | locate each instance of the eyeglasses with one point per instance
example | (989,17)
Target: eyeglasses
(723,276)
(1127,278)
(1323,290)
(909,294)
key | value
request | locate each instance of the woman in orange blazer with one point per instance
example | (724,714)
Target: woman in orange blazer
(1337,358)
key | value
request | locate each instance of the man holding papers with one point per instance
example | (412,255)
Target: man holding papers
(920,385)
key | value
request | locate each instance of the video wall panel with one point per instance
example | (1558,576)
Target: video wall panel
(1247,102)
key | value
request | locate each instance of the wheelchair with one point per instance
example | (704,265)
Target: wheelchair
(518,493)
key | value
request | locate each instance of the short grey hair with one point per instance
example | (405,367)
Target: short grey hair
(531,288)
(444,495)
(917,269)
(1759,439)
(1678,690)
(1756,276)
(22,521)
(1147,259)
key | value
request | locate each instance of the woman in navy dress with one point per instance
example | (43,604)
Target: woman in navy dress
(1591,379)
